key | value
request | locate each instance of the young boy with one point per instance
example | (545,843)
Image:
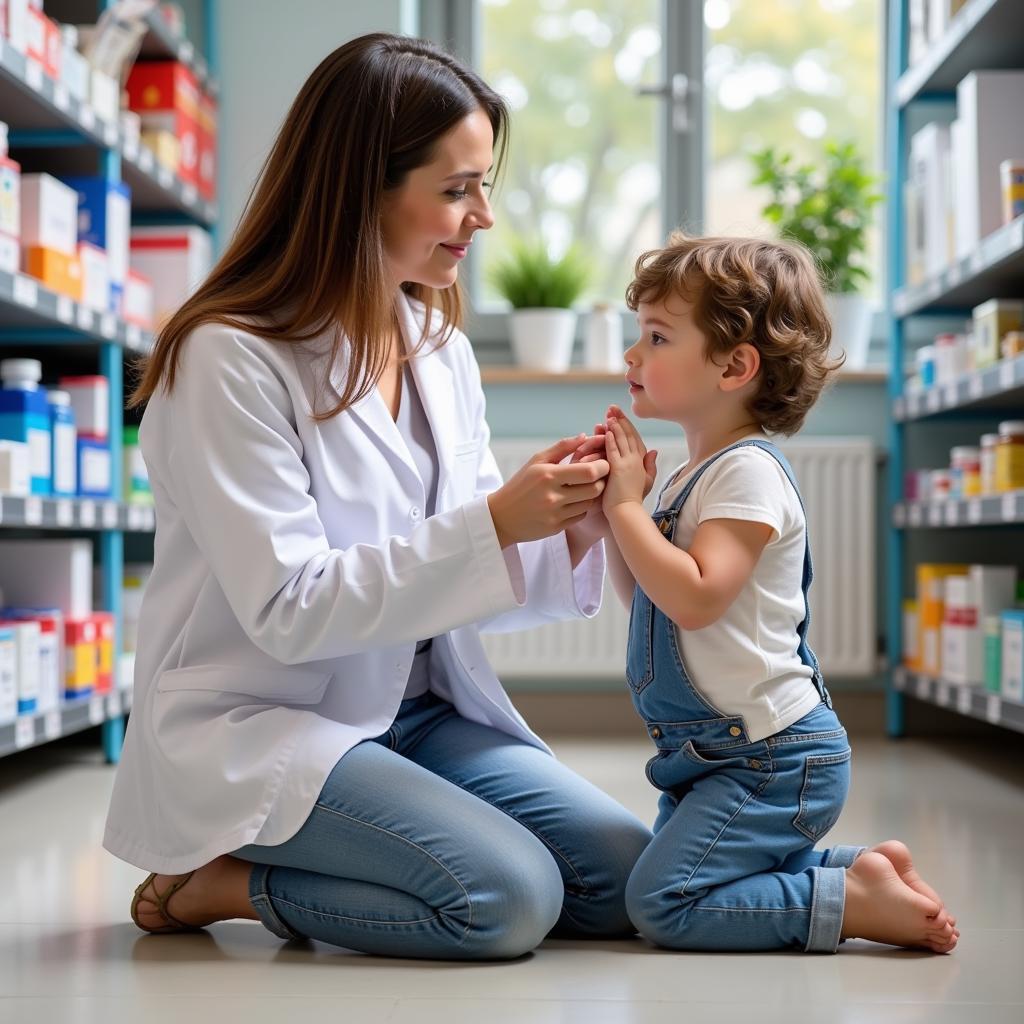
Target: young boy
(752,762)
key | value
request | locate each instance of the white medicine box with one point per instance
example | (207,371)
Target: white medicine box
(49,214)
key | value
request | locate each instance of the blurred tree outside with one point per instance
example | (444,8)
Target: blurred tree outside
(583,163)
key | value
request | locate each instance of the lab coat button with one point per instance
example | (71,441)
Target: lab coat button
(414,512)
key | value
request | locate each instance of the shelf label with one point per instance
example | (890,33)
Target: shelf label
(916,515)
(1009,508)
(953,513)
(189,194)
(26,291)
(130,148)
(109,515)
(942,694)
(60,97)
(65,309)
(34,74)
(51,725)
(963,700)
(186,52)
(974,513)
(133,336)
(146,159)
(95,710)
(899,515)
(110,134)
(113,705)
(993,709)
(933,401)
(84,318)
(87,514)
(1006,375)
(922,687)
(33,511)
(935,513)
(950,396)
(164,176)
(87,116)
(65,513)
(976,386)
(108,325)
(24,732)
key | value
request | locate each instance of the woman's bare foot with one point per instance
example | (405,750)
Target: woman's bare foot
(881,907)
(218,891)
(898,854)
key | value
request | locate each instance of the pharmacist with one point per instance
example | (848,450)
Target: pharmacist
(317,740)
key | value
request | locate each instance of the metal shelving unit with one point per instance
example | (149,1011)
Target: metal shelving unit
(42,115)
(983,34)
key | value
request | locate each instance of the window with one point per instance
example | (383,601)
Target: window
(584,165)
(788,73)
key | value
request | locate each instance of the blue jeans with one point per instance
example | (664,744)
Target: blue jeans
(732,865)
(451,840)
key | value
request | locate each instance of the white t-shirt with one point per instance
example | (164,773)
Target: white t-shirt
(747,663)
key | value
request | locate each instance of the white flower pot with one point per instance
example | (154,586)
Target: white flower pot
(542,339)
(851,328)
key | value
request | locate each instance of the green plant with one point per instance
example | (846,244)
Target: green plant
(529,278)
(827,209)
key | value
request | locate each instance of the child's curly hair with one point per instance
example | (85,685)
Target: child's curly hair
(765,293)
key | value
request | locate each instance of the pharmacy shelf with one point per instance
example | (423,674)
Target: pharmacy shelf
(971,701)
(994,270)
(998,387)
(30,100)
(71,717)
(160,43)
(37,513)
(984,34)
(26,303)
(994,510)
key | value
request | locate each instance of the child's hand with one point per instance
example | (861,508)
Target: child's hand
(649,458)
(595,526)
(633,467)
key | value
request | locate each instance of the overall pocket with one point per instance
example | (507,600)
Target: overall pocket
(826,784)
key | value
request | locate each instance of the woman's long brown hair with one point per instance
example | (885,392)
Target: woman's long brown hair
(308,253)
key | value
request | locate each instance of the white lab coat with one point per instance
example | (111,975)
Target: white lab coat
(294,573)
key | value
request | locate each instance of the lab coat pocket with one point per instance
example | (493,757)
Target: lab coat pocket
(287,686)
(465,468)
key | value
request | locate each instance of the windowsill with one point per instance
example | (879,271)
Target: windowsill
(578,375)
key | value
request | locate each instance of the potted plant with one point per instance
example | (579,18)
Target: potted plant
(828,209)
(541,291)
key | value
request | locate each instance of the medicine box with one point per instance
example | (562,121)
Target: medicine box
(49,214)
(48,574)
(104,220)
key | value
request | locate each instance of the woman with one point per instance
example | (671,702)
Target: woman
(317,740)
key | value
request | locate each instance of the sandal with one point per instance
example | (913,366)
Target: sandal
(160,902)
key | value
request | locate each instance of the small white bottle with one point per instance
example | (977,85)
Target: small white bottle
(602,345)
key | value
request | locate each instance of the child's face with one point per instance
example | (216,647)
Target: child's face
(672,377)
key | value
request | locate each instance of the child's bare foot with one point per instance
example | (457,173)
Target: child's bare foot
(217,891)
(898,855)
(881,907)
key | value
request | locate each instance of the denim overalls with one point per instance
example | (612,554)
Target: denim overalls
(733,865)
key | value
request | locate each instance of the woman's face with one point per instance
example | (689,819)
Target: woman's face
(430,219)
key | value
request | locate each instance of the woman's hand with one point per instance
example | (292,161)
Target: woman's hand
(633,469)
(544,497)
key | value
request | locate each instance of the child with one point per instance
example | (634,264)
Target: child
(752,762)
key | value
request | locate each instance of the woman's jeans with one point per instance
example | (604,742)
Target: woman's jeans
(448,839)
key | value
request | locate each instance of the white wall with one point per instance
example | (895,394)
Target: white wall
(265,51)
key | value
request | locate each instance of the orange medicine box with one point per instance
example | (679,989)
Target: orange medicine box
(104,651)
(931,601)
(59,272)
(81,658)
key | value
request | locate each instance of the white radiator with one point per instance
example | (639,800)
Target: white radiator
(837,481)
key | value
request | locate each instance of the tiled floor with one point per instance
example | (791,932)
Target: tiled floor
(69,954)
